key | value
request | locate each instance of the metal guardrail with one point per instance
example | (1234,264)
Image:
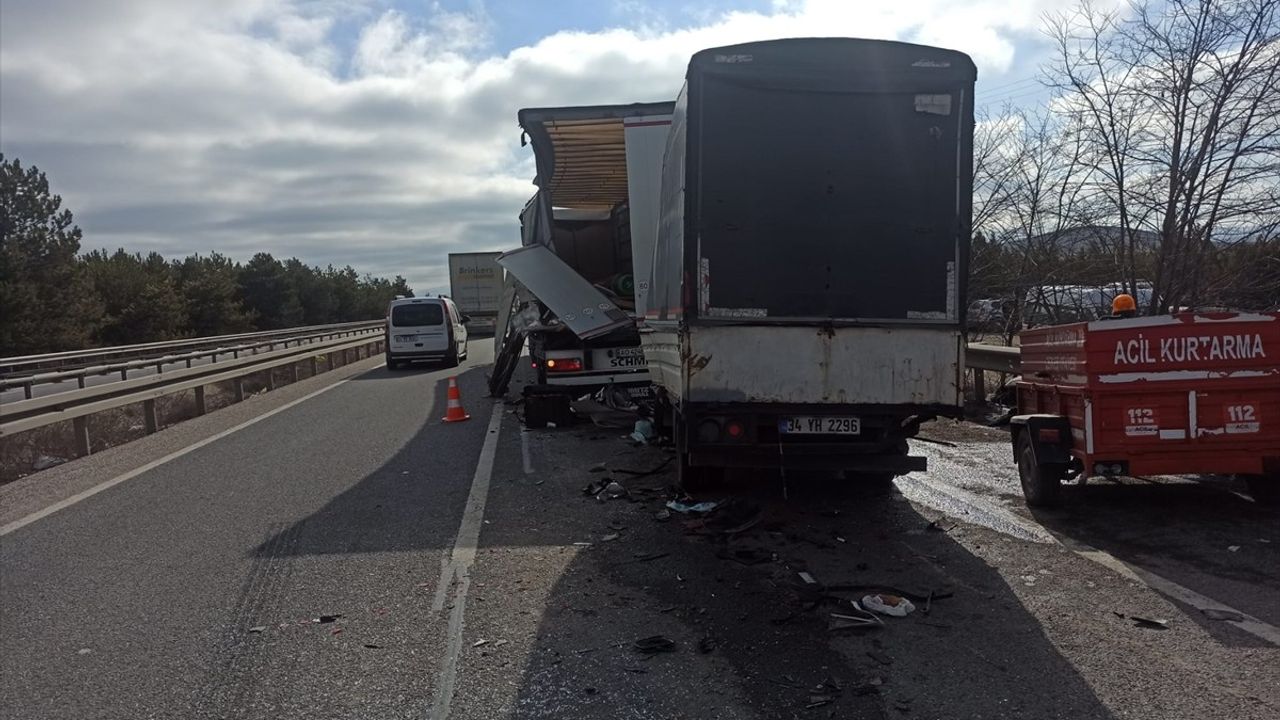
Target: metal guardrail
(998,358)
(77,405)
(215,347)
(73,359)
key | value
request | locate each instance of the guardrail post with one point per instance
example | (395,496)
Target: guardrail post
(80,427)
(188,362)
(271,379)
(979,385)
(293,372)
(200,406)
(124,373)
(149,416)
(315,365)
(159,368)
(238,384)
(26,390)
(80,381)
(328,361)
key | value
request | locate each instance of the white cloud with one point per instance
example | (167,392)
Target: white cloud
(245,125)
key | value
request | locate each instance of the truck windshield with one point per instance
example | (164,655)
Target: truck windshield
(417,315)
(826,204)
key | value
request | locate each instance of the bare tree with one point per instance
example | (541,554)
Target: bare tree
(1178,108)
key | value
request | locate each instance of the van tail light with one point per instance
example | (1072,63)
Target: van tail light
(564,364)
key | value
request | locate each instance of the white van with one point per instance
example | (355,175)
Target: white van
(425,328)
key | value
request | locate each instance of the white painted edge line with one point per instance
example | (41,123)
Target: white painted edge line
(914,487)
(1187,596)
(107,485)
(460,562)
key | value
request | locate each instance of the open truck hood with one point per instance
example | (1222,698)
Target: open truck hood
(581,307)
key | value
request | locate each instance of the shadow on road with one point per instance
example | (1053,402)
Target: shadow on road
(752,637)
(1199,534)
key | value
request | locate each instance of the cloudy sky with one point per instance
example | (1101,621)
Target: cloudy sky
(379,133)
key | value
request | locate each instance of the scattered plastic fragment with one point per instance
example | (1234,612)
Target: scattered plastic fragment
(258,628)
(684,508)
(610,537)
(1149,623)
(480,642)
(886,604)
(643,431)
(326,618)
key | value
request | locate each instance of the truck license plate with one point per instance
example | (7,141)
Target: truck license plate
(620,357)
(819,425)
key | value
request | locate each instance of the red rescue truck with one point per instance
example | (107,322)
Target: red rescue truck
(1163,395)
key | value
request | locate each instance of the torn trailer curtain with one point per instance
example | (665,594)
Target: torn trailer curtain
(580,306)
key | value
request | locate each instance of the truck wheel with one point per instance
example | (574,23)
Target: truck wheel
(1041,482)
(1265,489)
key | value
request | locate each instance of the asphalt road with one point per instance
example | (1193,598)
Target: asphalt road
(474,579)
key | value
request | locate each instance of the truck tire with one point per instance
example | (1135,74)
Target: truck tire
(1265,489)
(1041,482)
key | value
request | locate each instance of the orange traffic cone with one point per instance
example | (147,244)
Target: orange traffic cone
(455,413)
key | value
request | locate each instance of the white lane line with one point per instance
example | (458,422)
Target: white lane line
(107,485)
(1187,596)
(524,452)
(460,562)
(980,511)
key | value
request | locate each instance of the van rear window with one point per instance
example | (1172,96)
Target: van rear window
(416,315)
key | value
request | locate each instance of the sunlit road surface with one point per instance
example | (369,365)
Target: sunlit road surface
(351,556)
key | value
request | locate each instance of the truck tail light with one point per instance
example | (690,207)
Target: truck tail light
(735,430)
(563,364)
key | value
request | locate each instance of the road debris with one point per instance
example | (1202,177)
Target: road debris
(662,515)
(326,618)
(685,508)
(480,643)
(706,645)
(879,657)
(643,432)
(372,646)
(610,537)
(1149,623)
(1233,548)
(885,604)
(1221,614)
(817,701)
(258,628)
(655,644)
(44,462)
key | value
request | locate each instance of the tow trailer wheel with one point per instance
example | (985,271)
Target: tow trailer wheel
(1265,489)
(1041,483)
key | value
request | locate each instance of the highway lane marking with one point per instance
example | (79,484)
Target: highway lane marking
(107,485)
(460,561)
(1004,521)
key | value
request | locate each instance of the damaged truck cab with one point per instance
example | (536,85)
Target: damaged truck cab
(807,290)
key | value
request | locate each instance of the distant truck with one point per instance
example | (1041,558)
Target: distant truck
(594,164)
(807,301)
(475,285)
